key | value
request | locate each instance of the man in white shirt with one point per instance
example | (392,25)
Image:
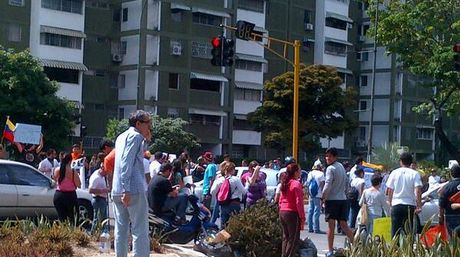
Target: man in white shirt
(314,205)
(404,187)
(155,164)
(48,164)
(433,179)
(358,184)
(98,188)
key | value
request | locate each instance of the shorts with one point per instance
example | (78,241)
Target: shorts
(336,210)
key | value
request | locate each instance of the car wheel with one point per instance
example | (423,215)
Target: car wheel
(85,213)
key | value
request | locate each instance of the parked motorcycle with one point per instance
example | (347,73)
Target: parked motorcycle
(198,228)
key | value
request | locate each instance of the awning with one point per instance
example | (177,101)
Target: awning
(62,31)
(63,64)
(343,70)
(338,17)
(196,75)
(180,7)
(339,41)
(249,57)
(260,29)
(240,116)
(210,12)
(206,112)
(249,85)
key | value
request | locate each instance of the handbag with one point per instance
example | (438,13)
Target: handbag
(455,198)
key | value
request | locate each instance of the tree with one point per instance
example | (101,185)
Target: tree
(388,155)
(168,135)
(28,96)
(322,105)
(422,34)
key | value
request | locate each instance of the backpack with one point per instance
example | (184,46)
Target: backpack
(313,187)
(224,196)
(353,193)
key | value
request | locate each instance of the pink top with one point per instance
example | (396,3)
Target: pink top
(66,185)
(292,199)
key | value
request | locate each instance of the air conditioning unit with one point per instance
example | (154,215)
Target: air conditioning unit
(308,26)
(362,38)
(176,49)
(117,57)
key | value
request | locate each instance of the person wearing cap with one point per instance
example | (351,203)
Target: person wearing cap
(208,179)
(404,187)
(129,187)
(314,206)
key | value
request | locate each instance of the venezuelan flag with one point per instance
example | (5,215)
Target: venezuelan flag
(8,132)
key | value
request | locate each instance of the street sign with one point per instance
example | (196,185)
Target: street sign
(244,30)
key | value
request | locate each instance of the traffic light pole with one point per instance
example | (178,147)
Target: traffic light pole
(296,65)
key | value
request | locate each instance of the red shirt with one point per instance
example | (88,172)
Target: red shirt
(109,162)
(292,199)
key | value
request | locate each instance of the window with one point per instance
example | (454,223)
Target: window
(125,15)
(336,23)
(62,75)
(16,2)
(173,113)
(424,133)
(176,15)
(122,81)
(363,81)
(204,119)
(206,19)
(173,81)
(207,85)
(307,16)
(248,65)
(123,47)
(25,176)
(14,32)
(201,49)
(248,94)
(60,40)
(72,6)
(252,5)
(364,29)
(335,48)
(363,105)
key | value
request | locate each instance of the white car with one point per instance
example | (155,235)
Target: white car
(26,192)
(271,181)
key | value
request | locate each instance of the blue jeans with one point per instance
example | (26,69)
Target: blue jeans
(215,212)
(135,217)
(178,204)
(453,223)
(99,213)
(314,210)
(370,222)
(228,210)
(353,213)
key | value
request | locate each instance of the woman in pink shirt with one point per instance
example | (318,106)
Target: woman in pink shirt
(65,197)
(291,209)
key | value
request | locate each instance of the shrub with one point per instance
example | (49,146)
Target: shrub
(256,232)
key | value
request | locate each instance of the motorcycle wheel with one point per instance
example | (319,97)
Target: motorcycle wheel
(203,242)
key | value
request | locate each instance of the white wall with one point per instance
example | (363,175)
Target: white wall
(245,137)
(334,60)
(250,47)
(69,91)
(249,76)
(338,142)
(153,45)
(380,135)
(130,90)
(335,6)
(153,15)
(134,15)
(132,50)
(381,110)
(382,84)
(336,33)
(383,60)
(151,84)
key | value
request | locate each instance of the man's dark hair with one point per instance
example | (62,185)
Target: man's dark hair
(136,116)
(455,171)
(106,143)
(359,160)
(50,152)
(359,171)
(158,155)
(376,180)
(333,151)
(165,167)
(406,159)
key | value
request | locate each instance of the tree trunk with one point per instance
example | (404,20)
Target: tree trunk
(444,140)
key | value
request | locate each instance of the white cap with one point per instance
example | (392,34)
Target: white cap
(317,164)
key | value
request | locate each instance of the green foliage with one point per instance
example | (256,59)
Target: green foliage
(168,135)
(28,96)
(256,232)
(322,105)
(421,34)
(388,155)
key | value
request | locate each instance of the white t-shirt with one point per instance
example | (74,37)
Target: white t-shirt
(154,168)
(97,181)
(319,177)
(47,167)
(357,182)
(146,166)
(403,181)
(433,180)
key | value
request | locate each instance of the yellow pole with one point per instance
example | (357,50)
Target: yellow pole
(295,111)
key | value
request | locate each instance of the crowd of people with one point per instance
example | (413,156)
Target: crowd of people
(138,181)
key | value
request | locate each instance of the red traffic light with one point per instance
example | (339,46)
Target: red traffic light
(215,42)
(457,48)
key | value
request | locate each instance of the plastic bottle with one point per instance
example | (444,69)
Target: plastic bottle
(104,241)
